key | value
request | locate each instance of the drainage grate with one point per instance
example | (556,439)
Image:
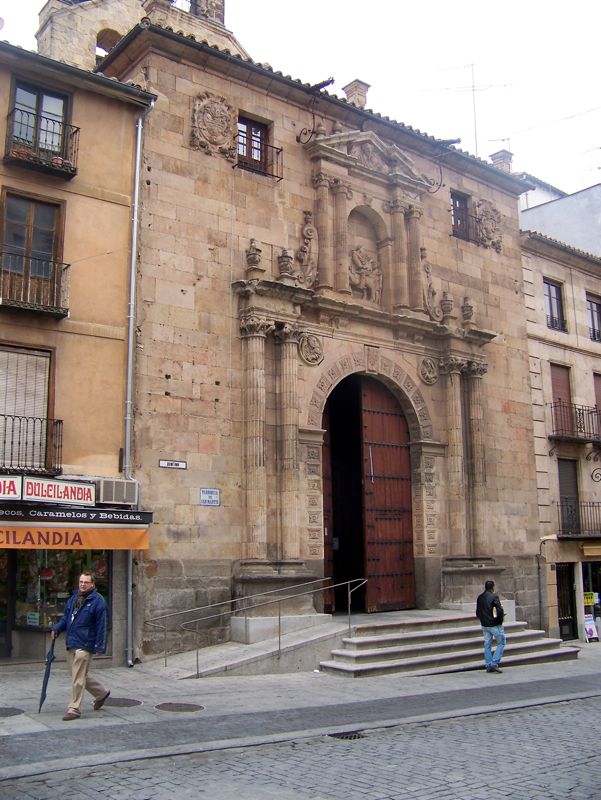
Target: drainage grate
(122,702)
(181,707)
(347,736)
(6,711)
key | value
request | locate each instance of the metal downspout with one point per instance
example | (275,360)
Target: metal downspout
(131,347)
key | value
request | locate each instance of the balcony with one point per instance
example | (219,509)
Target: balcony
(572,423)
(579,519)
(557,324)
(259,157)
(32,445)
(33,283)
(41,143)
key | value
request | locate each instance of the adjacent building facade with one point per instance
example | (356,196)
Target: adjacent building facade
(66,182)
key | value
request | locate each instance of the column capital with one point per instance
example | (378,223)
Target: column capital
(476,369)
(452,364)
(339,186)
(252,324)
(414,211)
(321,179)
(287,332)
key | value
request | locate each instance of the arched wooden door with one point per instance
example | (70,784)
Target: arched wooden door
(367,494)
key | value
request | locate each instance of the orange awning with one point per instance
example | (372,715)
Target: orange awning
(25,536)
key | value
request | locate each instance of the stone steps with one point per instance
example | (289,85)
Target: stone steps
(436,646)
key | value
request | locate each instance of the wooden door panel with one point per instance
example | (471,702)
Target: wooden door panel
(328,510)
(387,500)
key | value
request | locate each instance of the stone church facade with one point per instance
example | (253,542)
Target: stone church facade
(331,333)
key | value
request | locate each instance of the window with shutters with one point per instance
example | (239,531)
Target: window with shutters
(568,495)
(554,306)
(29,440)
(460,217)
(32,274)
(593,304)
(571,422)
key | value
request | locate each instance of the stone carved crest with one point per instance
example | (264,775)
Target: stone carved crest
(365,276)
(368,156)
(307,253)
(310,348)
(488,222)
(213,126)
(434,311)
(428,371)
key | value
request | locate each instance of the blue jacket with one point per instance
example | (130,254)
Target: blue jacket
(86,629)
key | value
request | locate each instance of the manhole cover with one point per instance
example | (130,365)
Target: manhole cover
(185,707)
(122,702)
(347,736)
(10,712)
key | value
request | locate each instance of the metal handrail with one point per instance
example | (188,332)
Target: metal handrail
(351,585)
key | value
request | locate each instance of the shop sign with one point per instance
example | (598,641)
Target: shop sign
(44,490)
(51,537)
(209,497)
(10,487)
(94,516)
(589,599)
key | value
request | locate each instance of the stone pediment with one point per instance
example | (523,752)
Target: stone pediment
(366,153)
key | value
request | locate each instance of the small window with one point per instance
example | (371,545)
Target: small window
(460,215)
(252,143)
(594,316)
(39,119)
(554,306)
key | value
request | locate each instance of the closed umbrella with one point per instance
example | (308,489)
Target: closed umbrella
(49,659)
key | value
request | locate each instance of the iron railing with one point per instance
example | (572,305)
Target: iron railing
(579,518)
(243,606)
(575,423)
(31,444)
(258,156)
(557,323)
(34,282)
(42,143)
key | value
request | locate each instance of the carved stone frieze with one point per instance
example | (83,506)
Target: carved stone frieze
(488,222)
(310,348)
(365,276)
(213,126)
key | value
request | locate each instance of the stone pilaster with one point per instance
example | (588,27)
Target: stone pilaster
(341,194)
(475,370)
(325,269)
(415,277)
(452,367)
(254,330)
(400,285)
(288,414)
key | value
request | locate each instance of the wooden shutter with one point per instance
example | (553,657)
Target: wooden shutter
(568,495)
(25,376)
(560,383)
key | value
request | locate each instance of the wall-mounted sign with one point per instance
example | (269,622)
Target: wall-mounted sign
(589,599)
(11,487)
(44,490)
(209,497)
(173,464)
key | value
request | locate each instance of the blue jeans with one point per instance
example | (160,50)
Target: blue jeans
(497,633)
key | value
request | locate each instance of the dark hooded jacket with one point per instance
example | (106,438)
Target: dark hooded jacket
(86,626)
(484,609)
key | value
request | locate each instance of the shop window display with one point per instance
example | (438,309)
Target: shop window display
(46,578)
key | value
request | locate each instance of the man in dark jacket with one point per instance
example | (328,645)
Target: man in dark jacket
(84,619)
(490,613)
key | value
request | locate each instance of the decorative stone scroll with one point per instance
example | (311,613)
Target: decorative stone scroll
(488,221)
(213,126)
(434,312)
(307,253)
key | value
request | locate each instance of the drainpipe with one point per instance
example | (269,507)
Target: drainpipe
(131,347)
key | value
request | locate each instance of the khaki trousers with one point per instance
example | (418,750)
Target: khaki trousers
(79,664)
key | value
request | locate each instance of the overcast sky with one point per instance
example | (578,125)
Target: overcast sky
(528,68)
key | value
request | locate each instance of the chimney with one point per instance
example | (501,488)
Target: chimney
(356,92)
(502,160)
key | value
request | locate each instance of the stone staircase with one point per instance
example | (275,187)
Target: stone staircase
(436,645)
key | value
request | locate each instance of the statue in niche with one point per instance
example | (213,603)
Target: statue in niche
(434,312)
(365,275)
(213,126)
(307,253)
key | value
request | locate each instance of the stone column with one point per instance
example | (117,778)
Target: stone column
(341,195)
(458,545)
(415,277)
(475,370)
(254,330)
(288,442)
(323,223)
(400,286)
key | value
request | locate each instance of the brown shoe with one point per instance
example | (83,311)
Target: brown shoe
(100,701)
(71,715)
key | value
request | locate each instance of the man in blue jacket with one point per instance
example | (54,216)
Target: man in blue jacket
(84,619)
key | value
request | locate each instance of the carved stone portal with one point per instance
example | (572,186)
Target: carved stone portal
(365,276)
(213,126)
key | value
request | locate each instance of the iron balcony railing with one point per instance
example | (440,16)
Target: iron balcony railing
(34,282)
(257,156)
(41,143)
(575,423)
(31,444)
(579,518)
(595,334)
(557,323)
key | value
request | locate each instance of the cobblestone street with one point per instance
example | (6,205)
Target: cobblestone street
(544,753)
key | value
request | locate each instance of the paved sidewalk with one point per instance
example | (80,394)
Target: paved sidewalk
(250,710)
